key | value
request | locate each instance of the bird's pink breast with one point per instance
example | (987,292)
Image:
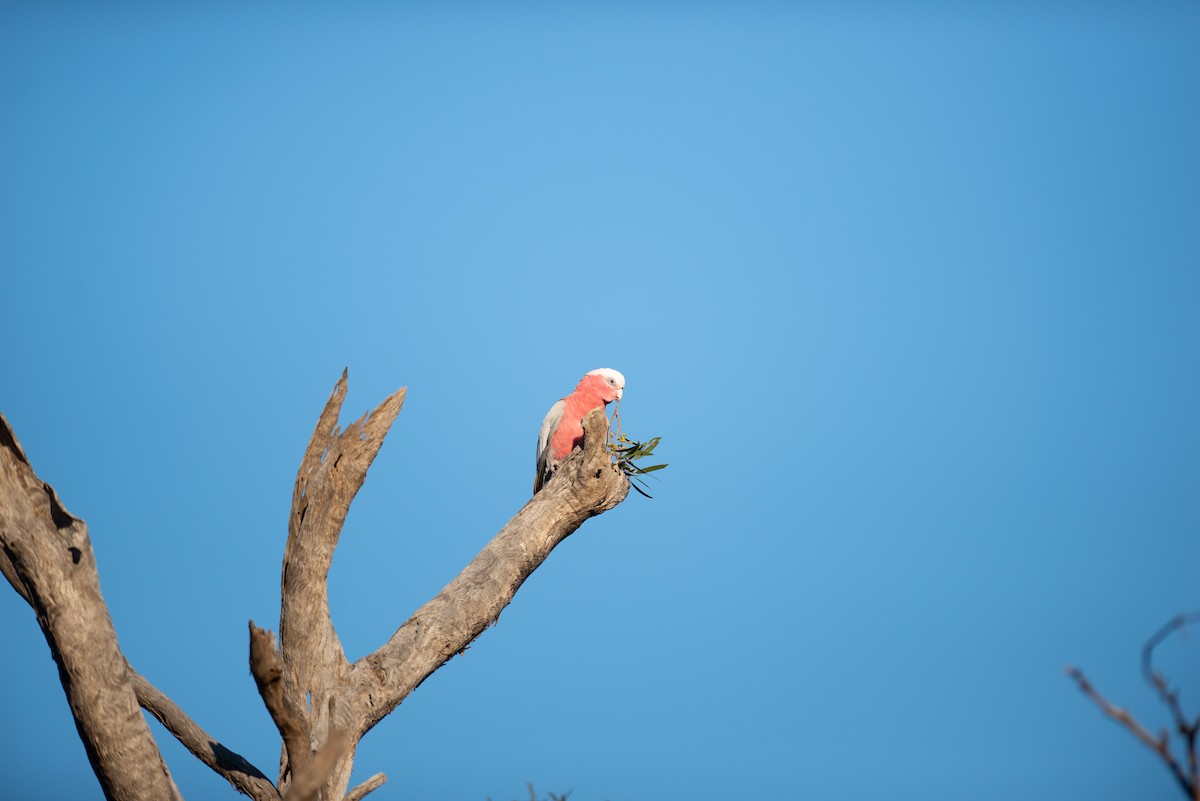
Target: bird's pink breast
(570,430)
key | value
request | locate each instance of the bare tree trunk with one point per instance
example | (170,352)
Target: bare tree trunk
(337,697)
(321,704)
(46,555)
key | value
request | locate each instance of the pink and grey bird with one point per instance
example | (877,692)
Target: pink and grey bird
(562,429)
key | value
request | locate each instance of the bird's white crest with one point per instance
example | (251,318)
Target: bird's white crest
(608,372)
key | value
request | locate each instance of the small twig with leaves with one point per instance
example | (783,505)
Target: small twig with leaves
(626,452)
(1189,781)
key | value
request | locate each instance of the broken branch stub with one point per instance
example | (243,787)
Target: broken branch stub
(290,718)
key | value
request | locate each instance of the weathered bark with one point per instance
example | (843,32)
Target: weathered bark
(47,556)
(244,777)
(307,782)
(585,485)
(313,665)
(338,697)
(321,704)
(290,718)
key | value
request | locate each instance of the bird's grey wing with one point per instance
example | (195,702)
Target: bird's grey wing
(553,418)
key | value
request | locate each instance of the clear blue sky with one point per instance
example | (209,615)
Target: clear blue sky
(911,296)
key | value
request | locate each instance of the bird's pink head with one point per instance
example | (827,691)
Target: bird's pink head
(605,383)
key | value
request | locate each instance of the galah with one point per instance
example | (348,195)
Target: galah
(562,429)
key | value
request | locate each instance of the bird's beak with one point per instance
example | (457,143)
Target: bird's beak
(619,394)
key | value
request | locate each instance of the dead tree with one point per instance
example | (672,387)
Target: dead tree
(321,703)
(1187,728)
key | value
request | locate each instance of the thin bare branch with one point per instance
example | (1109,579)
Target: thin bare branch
(289,717)
(1188,730)
(586,485)
(244,777)
(373,783)
(1160,745)
(1170,627)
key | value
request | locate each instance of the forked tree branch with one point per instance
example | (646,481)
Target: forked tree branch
(321,704)
(585,485)
(1189,780)
(244,777)
(237,770)
(48,558)
(1187,729)
(331,472)
(356,697)
(1160,745)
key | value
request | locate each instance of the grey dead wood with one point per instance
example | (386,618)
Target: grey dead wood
(234,768)
(308,781)
(290,718)
(244,777)
(314,666)
(585,485)
(321,703)
(48,558)
(355,697)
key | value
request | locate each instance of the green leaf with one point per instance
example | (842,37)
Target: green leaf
(640,490)
(625,454)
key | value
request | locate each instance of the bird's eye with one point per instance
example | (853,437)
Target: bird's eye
(611,381)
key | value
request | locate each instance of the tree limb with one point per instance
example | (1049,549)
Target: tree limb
(16,455)
(244,777)
(289,718)
(1188,730)
(321,704)
(48,558)
(373,783)
(332,471)
(1160,745)
(585,485)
